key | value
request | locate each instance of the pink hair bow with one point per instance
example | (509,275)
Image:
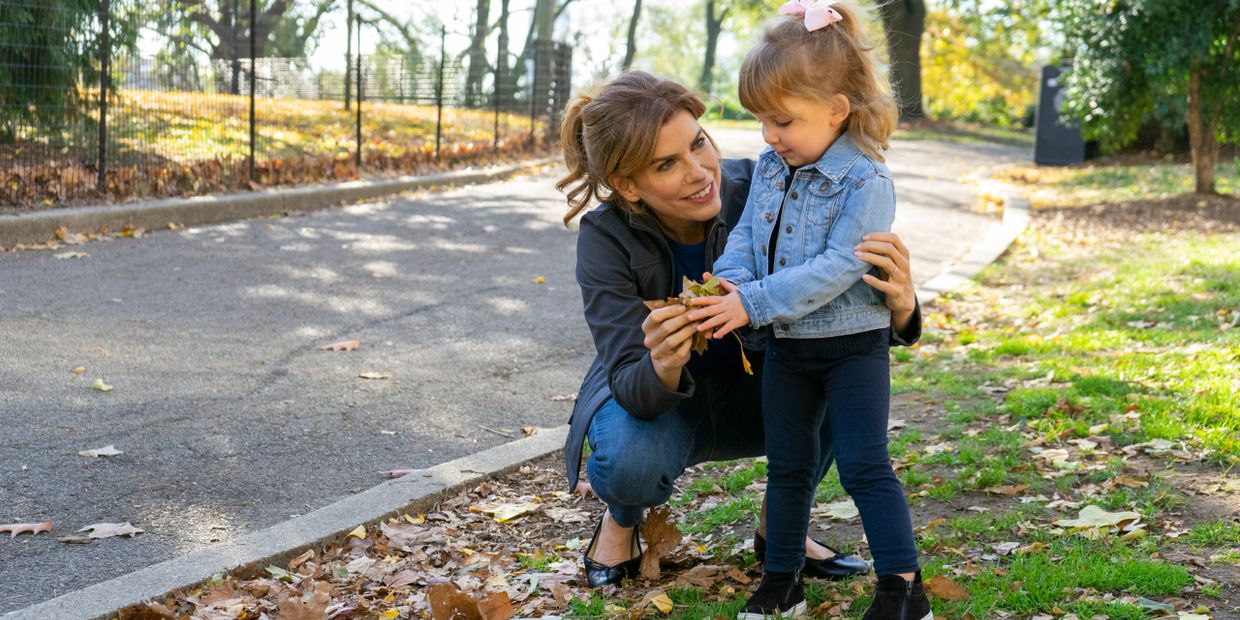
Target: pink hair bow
(817,14)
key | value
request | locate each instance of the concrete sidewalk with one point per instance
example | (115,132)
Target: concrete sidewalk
(231,418)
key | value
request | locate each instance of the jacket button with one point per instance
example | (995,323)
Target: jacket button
(770,217)
(779,186)
(788,229)
(794,195)
(782,262)
(823,187)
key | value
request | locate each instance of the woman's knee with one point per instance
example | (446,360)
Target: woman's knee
(626,480)
(857,477)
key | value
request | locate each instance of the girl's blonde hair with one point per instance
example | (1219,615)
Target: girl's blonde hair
(835,59)
(613,131)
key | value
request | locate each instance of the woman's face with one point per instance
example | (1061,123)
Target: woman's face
(681,183)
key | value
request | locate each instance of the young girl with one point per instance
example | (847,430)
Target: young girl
(790,267)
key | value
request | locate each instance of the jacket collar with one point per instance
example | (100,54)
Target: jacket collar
(834,164)
(647,222)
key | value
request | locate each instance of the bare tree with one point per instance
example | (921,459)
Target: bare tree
(714,26)
(631,50)
(478,54)
(904,22)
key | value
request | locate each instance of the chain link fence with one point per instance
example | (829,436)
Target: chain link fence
(194,118)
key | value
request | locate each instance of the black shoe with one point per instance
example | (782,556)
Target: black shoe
(897,599)
(838,566)
(599,575)
(780,595)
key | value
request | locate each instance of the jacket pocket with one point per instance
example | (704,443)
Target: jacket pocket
(824,204)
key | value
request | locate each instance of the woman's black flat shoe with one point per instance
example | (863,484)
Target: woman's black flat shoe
(838,566)
(599,575)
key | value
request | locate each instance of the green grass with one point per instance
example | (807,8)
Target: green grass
(1150,343)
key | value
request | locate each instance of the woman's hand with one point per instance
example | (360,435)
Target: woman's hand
(722,314)
(886,251)
(669,337)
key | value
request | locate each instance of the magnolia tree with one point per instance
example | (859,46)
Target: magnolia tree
(1176,60)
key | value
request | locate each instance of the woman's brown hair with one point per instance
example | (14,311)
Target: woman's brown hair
(613,131)
(817,65)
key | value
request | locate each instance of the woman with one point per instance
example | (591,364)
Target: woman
(649,407)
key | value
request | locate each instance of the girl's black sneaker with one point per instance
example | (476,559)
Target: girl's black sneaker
(780,595)
(897,599)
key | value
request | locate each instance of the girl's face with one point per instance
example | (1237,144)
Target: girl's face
(803,131)
(681,183)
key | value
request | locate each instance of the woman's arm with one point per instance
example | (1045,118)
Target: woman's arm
(887,251)
(643,355)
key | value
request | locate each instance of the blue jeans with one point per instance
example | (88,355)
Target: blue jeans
(634,463)
(853,425)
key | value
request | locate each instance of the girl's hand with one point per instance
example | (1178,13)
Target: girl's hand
(887,252)
(669,337)
(721,314)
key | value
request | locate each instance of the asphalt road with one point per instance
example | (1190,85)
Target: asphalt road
(230,416)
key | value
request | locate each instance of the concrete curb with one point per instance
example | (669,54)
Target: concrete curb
(39,227)
(414,492)
(988,250)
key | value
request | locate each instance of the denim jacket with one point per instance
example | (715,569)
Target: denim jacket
(816,290)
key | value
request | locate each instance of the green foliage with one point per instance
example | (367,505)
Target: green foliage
(979,60)
(1133,60)
(47,50)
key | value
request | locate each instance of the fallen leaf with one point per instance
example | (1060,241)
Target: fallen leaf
(941,586)
(661,537)
(449,603)
(1013,490)
(1093,516)
(108,530)
(540,280)
(26,528)
(504,513)
(358,532)
(529,430)
(496,606)
(79,370)
(375,375)
(663,603)
(842,510)
(343,345)
(560,398)
(101,386)
(65,255)
(702,575)
(309,606)
(104,451)
(301,559)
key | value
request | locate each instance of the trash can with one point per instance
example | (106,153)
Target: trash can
(1056,142)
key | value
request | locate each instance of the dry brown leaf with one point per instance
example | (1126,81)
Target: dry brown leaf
(309,606)
(301,559)
(661,537)
(1131,483)
(495,606)
(26,528)
(343,345)
(703,575)
(561,594)
(1010,490)
(448,603)
(940,586)
(529,430)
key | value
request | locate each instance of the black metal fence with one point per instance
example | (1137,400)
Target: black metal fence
(191,119)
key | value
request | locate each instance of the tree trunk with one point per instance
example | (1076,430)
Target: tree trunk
(348,58)
(904,22)
(713,27)
(478,55)
(1201,136)
(501,59)
(631,50)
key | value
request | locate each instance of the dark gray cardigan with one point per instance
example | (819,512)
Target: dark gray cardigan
(622,260)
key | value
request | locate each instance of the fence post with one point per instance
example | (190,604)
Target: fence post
(253,82)
(105,51)
(358,80)
(443,59)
